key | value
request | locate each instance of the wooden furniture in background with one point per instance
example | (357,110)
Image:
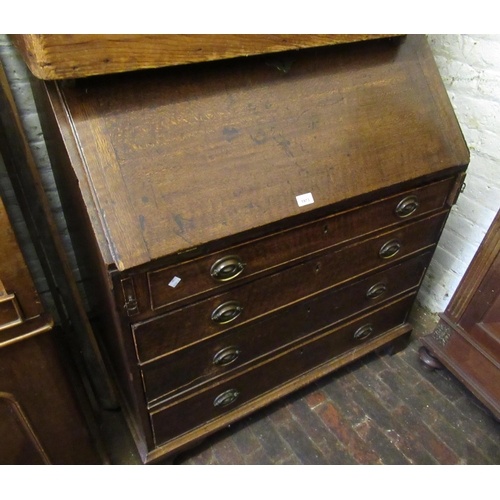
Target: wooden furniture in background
(52,255)
(46,414)
(253,224)
(41,417)
(54,57)
(467,338)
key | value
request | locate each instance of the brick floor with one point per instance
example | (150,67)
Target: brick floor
(379,410)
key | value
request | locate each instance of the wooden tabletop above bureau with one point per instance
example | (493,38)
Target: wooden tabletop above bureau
(253,223)
(56,57)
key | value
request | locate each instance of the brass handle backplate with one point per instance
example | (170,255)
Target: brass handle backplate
(227,312)
(363,332)
(226,356)
(226,398)
(376,290)
(390,249)
(227,268)
(407,206)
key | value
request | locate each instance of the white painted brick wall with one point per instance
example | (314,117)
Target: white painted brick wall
(470,68)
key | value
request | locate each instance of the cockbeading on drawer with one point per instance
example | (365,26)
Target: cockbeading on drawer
(172,420)
(193,323)
(170,375)
(177,283)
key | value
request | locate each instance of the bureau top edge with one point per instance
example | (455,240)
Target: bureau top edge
(56,57)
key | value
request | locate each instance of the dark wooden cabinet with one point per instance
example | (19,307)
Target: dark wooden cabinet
(252,225)
(467,337)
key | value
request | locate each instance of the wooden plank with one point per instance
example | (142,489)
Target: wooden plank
(53,57)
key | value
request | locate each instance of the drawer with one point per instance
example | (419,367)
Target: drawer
(176,283)
(193,323)
(217,400)
(215,357)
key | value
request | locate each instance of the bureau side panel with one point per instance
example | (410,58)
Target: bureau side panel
(92,258)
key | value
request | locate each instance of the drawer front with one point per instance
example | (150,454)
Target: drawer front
(187,368)
(170,285)
(236,307)
(176,419)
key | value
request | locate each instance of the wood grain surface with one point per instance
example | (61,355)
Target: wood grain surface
(14,275)
(53,57)
(181,162)
(182,156)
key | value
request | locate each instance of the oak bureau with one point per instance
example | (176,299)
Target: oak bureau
(253,223)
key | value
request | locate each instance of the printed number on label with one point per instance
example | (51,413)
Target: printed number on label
(305,199)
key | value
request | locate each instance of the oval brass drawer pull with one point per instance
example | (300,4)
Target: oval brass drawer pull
(226,398)
(390,249)
(226,356)
(227,312)
(376,291)
(227,268)
(407,206)
(363,332)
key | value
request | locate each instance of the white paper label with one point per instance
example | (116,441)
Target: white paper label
(174,282)
(305,199)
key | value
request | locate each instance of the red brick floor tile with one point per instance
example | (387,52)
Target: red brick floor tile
(315,398)
(381,444)
(346,435)
(435,446)
(226,452)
